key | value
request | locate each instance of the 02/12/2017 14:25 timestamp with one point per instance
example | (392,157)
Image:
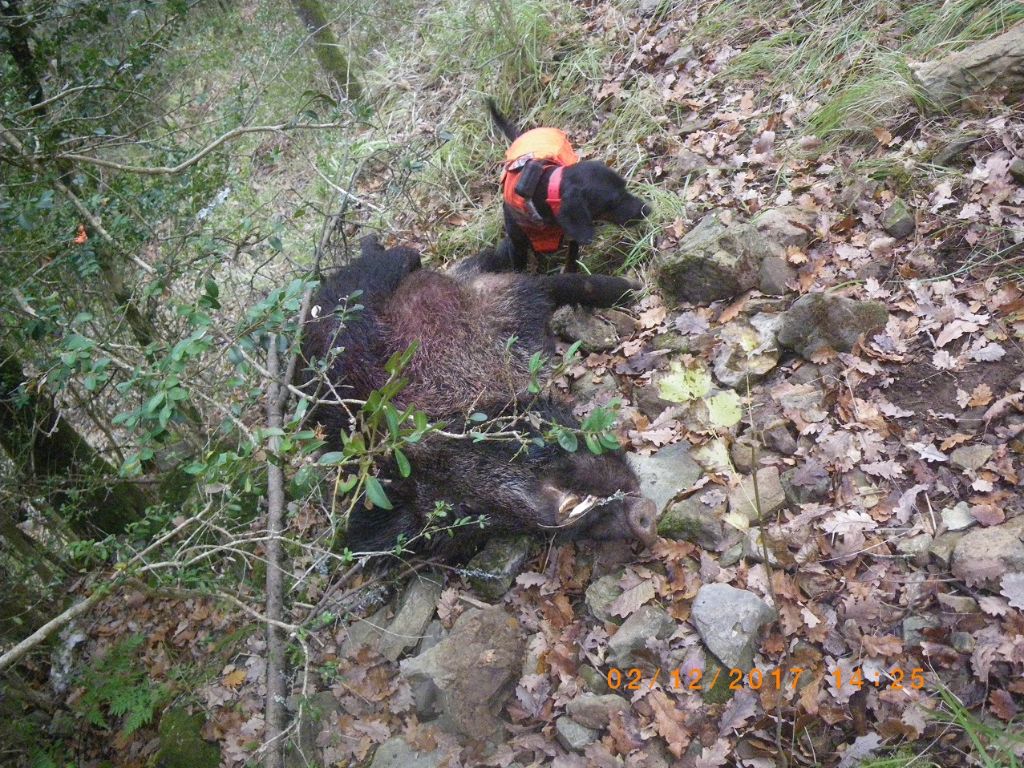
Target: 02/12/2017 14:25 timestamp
(633,678)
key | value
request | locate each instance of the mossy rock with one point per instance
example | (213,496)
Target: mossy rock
(181,741)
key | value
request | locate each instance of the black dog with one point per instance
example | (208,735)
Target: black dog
(548,194)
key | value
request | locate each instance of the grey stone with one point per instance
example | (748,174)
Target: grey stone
(742,498)
(424,692)
(406,629)
(897,220)
(754,547)
(818,322)
(816,490)
(994,63)
(958,603)
(595,680)
(493,569)
(971,457)
(1017,170)
(665,473)
(962,642)
(687,162)
(744,354)
(984,555)
(943,546)
(647,623)
(601,594)
(396,753)
(912,626)
(916,547)
(595,334)
(728,620)
(472,669)
(369,631)
(572,735)
(595,711)
(716,261)
(958,517)
(316,712)
(693,520)
(775,276)
(732,555)
(778,437)
(744,450)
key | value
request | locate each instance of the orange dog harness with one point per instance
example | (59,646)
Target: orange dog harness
(552,147)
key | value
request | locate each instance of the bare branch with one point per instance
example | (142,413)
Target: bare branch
(160,170)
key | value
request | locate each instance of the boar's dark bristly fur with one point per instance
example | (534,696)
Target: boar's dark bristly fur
(462,323)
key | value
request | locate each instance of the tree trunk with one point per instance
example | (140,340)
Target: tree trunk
(18,33)
(47,449)
(333,62)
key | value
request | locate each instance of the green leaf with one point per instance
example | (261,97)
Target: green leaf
(404,468)
(685,384)
(375,493)
(331,459)
(568,440)
(725,409)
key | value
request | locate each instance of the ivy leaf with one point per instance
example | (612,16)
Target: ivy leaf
(725,409)
(685,384)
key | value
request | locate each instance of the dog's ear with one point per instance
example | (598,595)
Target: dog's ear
(575,218)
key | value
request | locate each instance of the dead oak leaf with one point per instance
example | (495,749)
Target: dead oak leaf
(1001,704)
(1013,589)
(981,395)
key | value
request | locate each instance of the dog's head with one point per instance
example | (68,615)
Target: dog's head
(591,191)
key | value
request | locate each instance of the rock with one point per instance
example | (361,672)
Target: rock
(996,63)
(648,7)
(943,546)
(813,488)
(601,594)
(971,457)
(716,261)
(912,626)
(493,569)
(958,517)
(424,692)
(316,713)
(396,753)
(665,473)
(1017,170)
(727,620)
(181,741)
(472,669)
(744,354)
(897,219)
(916,548)
(818,322)
(595,680)
(680,56)
(778,437)
(775,276)
(418,606)
(744,450)
(647,623)
(595,711)
(731,556)
(962,642)
(572,735)
(984,555)
(594,333)
(769,490)
(789,227)
(686,163)
(369,631)
(693,520)
(958,603)
(754,548)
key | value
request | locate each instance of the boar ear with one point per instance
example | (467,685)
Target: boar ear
(575,217)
